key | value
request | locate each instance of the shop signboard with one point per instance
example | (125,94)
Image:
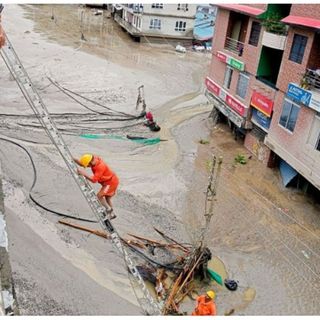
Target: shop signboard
(298,94)
(235,63)
(225,97)
(315,102)
(212,86)
(221,56)
(262,103)
(261,119)
(236,105)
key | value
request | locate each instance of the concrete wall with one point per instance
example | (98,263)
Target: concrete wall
(168,25)
(7,297)
(170,9)
(294,147)
(250,57)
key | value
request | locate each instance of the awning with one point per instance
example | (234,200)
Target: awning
(287,172)
(302,21)
(241,8)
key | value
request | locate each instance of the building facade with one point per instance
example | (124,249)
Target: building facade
(157,20)
(265,80)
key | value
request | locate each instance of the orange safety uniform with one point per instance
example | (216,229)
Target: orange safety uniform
(204,308)
(2,38)
(105,176)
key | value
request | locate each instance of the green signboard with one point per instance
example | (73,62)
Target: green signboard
(236,63)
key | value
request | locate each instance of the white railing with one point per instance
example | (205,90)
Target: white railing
(234,46)
(311,80)
(128,26)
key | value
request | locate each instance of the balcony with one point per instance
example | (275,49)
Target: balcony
(128,26)
(273,40)
(134,7)
(234,46)
(311,80)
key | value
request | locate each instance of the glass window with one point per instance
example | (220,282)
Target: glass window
(318,143)
(314,135)
(289,115)
(157,5)
(180,26)
(242,86)
(155,24)
(255,33)
(298,46)
(227,77)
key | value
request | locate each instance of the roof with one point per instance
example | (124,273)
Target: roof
(302,21)
(251,11)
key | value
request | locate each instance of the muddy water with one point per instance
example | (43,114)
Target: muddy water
(273,256)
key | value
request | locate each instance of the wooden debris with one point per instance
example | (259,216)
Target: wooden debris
(99,233)
(156,243)
(185,249)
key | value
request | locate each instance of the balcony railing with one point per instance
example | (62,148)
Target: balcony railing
(234,46)
(128,26)
(134,7)
(311,80)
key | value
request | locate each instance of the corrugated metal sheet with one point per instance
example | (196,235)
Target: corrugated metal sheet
(241,8)
(302,21)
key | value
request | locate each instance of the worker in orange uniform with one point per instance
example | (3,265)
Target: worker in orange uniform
(2,38)
(103,175)
(205,305)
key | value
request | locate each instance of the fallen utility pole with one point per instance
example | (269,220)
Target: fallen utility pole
(30,93)
(196,261)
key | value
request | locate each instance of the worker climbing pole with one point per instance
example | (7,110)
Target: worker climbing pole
(196,260)
(30,93)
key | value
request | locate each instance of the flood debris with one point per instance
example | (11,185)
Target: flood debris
(174,269)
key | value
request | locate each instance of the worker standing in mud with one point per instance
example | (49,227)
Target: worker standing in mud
(103,175)
(205,305)
(2,38)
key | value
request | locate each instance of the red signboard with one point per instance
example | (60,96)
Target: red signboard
(221,56)
(214,88)
(235,105)
(262,103)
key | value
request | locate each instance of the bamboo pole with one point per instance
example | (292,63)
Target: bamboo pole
(99,233)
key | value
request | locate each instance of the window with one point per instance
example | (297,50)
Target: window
(182,6)
(255,33)
(180,26)
(314,135)
(298,46)
(289,115)
(155,24)
(318,143)
(227,77)
(157,5)
(242,86)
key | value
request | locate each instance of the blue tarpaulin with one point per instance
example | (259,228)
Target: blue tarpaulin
(287,172)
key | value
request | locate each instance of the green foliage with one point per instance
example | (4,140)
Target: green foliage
(240,158)
(273,24)
(202,141)
(209,165)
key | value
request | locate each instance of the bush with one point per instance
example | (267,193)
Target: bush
(202,141)
(240,158)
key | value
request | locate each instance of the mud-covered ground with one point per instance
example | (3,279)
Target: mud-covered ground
(265,236)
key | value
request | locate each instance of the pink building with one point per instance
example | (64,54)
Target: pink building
(264,79)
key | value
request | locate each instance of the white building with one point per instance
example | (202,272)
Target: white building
(157,20)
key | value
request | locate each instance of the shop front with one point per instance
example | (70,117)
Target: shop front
(230,107)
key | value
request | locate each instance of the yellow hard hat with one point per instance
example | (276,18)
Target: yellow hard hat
(86,159)
(211,294)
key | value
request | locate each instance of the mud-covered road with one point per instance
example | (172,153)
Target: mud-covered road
(266,237)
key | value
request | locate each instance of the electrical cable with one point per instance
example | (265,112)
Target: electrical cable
(68,92)
(167,266)
(34,182)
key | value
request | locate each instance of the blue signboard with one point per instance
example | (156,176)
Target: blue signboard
(260,118)
(298,94)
